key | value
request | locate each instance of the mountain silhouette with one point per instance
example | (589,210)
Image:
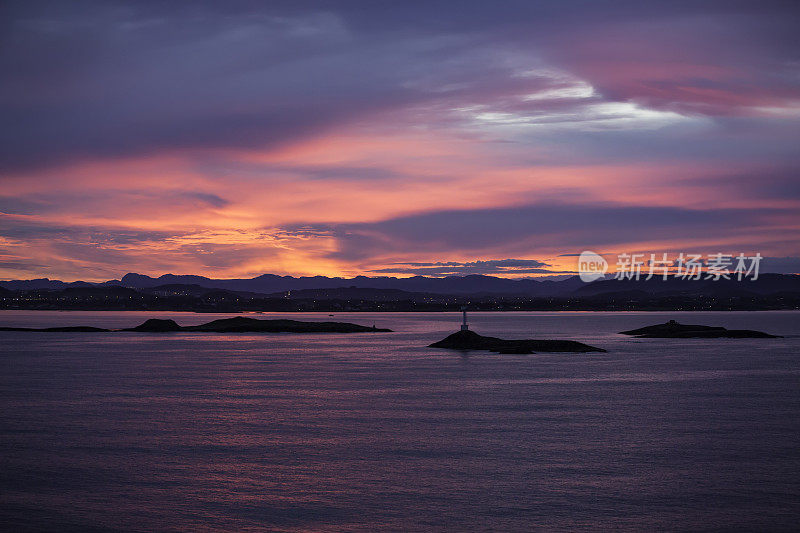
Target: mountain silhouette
(417,287)
(271,283)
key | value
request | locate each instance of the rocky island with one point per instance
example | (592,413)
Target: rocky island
(242,324)
(61,329)
(469,340)
(237,324)
(675,330)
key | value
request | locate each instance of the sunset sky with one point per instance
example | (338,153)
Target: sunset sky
(232,139)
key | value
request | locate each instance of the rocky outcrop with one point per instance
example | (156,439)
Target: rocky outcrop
(156,325)
(242,324)
(237,324)
(63,329)
(674,330)
(469,340)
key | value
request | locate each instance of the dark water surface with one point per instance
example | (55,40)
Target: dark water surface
(369,432)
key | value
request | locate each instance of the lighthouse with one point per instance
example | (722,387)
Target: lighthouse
(464,326)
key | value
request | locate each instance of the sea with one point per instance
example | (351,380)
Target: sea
(378,432)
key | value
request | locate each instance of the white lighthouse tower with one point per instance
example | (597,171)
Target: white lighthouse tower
(464,326)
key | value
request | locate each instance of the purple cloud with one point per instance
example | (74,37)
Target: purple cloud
(529,229)
(457,268)
(107,79)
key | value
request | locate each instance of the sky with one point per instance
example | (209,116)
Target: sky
(232,139)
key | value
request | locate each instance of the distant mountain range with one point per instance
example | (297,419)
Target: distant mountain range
(417,287)
(766,284)
(287,294)
(270,284)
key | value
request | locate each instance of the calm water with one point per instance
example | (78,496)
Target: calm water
(371,432)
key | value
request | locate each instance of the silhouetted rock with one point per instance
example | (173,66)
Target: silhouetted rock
(156,325)
(469,340)
(63,329)
(237,324)
(242,324)
(674,330)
